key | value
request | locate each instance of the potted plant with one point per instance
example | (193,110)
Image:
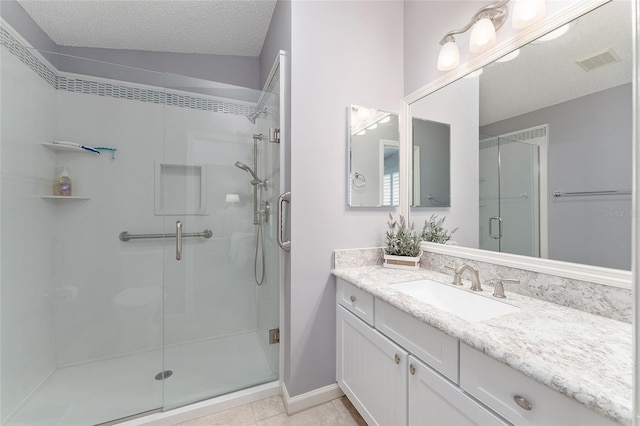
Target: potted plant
(434,232)
(402,245)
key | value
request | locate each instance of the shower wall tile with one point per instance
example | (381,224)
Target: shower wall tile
(130,92)
(29,293)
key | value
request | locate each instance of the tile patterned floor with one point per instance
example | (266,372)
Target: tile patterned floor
(271,412)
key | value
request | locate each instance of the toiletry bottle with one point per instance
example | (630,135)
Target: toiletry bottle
(63,184)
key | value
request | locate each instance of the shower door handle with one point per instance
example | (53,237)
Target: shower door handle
(491,234)
(178,240)
(284,245)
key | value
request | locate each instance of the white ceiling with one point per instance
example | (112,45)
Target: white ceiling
(220,27)
(546,73)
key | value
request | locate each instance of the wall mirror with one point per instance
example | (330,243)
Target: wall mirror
(431,144)
(374,158)
(541,146)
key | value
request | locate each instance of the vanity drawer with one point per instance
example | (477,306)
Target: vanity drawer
(357,301)
(498,385)
(437,349)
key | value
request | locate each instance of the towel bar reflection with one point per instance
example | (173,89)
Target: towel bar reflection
(587,193)
(126,236)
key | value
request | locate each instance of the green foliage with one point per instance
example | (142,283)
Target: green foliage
(401,238)
(434,232)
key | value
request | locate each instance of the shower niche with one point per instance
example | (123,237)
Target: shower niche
(180,189)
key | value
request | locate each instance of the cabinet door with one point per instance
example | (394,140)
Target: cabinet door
(500,387)
(433,400)
(371,371)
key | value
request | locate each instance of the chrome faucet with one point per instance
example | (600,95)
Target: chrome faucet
(475,278)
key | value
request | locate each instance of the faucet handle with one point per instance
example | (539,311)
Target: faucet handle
(456,276)
(498,289)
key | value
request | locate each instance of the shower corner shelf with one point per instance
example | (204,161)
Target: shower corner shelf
(58,147)
(63,197)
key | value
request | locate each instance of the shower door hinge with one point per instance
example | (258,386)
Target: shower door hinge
(274,336)
(274,135)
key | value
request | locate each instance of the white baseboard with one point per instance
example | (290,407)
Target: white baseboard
(309,399)
(208,407)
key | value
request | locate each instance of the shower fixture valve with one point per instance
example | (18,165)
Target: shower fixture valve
(265,212)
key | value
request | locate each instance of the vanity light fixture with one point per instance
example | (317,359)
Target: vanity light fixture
(483,36)
(527,12)
(484,24)
(449,57)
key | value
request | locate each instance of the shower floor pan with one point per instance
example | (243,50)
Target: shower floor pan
(106,390)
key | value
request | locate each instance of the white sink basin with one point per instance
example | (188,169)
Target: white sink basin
(463,304)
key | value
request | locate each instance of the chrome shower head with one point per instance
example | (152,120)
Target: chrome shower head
(252,117)
(248,169)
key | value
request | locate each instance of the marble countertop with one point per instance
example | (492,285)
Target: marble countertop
(584,356)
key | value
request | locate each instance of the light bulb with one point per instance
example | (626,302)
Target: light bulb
(449,56)
(527,12)
(483,36)
(557,33)
(474,73)
(509,56)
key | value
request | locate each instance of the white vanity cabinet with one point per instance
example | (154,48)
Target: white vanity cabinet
(385,384)
(397,370)
(518,398)
(433,400)
(370,370)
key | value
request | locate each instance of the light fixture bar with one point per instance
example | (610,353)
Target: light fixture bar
(497,12)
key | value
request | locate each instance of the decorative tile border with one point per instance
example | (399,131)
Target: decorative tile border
(91,87)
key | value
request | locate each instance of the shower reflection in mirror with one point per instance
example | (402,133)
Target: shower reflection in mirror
(374,161)
(431,164)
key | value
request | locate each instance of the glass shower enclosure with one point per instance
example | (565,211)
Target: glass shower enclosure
(510,196)
(137,292)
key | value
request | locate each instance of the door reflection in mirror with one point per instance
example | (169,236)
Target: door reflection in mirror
(374,160)
(431,163)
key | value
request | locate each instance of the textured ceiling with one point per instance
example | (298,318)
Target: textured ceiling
(220,27)
(546,73)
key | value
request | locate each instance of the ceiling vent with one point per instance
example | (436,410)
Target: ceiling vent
(598,60)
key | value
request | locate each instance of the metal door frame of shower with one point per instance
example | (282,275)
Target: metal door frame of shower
(255,393)
(543,149)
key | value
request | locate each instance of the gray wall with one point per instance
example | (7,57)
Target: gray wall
(243,71)
(343,53)
(240,71)
(589,150)
(15,16)
(434,140)
(278,38)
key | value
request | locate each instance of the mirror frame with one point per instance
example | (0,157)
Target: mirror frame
(595,274)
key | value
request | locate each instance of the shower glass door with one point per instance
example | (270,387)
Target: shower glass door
(99,319)
(509,196)
(81,308)
(221,279)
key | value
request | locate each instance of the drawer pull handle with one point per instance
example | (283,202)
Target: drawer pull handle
(522,402)
(397,359)
(352,298)
(412,369)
